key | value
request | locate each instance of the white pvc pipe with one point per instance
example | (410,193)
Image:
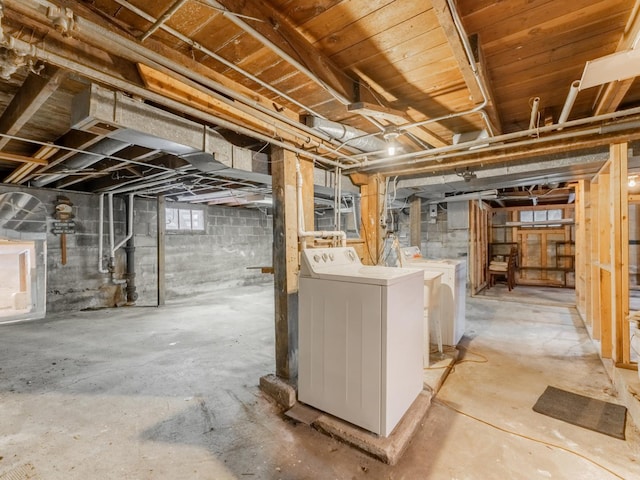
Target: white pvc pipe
(535,106)
(304,234)
(568,104)
(129,227)
(111,231)
(101,269)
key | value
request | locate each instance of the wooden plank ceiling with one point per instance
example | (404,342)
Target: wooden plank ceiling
(253,63)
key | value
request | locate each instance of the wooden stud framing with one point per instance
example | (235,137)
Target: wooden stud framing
(479,238)
(583,246)
(602,236)
(594,261)
(537,264)
(620,253)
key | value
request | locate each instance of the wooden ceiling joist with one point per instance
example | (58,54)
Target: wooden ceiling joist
(35,91)
(278,30)
(22,159)
(472,78)
(613,93)
(22,171)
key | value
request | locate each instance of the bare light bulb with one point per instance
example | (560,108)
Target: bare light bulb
(632,181)
(391,149)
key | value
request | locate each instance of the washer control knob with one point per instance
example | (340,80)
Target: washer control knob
(351,256)
(331,257)
(316,258)
(324,257)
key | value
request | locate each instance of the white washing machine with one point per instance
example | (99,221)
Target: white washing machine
(453,285)
(360,338)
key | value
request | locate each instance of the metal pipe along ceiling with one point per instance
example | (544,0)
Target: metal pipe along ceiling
(101,77)
(463,148)
(215,56)
(138,53)
(346,134)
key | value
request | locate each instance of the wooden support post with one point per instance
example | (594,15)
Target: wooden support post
(594,290)
(306,169)
(415,218)
(582,250)
(285,262)
(370,213)
(604,244)
(162,230)
(620,253)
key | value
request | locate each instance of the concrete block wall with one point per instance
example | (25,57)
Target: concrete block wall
(195,262)
(442,239)
(235,239)
(76,285)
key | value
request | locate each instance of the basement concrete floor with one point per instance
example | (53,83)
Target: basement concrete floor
(171,393)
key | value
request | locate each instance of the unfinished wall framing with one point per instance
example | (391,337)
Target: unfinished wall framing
(479,213)
(546,248)
(602,287)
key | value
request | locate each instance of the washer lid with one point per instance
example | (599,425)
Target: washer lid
(343,265)
(370,275)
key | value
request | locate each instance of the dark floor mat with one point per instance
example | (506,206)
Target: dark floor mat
(596,415)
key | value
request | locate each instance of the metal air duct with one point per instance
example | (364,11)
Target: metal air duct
(80,161)
(348,135)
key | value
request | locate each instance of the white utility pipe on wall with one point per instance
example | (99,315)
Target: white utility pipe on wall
(101,269)
(304,234)
(129,228)
(113,248)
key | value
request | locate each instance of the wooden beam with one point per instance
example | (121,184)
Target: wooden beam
(172,87)
(25,169)
(101,52)
(471,78)
(277,29)
(285,261)
(612,95)
(22,159)
(445,18)
(34,92)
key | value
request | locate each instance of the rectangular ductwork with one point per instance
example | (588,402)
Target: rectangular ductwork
(132,121)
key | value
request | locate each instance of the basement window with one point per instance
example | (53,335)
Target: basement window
(540,218)
(185,219)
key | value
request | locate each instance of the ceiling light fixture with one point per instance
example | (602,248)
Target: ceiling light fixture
(390,135)
(632,180)
(467,174)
